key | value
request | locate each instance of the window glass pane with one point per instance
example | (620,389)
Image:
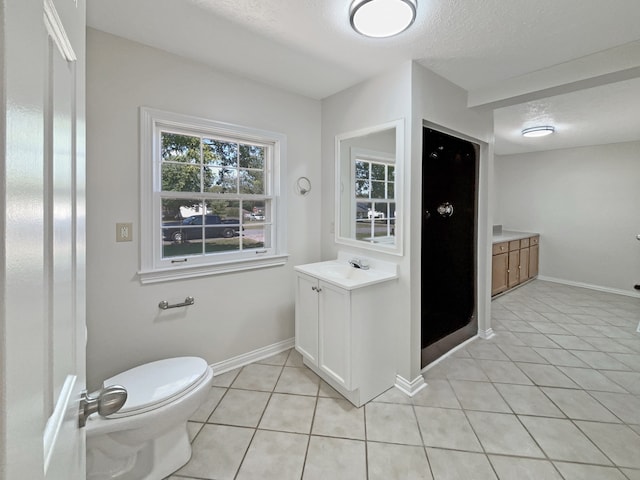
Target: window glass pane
(222,244)
(191,246)
(379,210)
(362,169)
(221,180)
(251,156)
(180,178)
(363,228)
(256,236)
(377,190)
(177,209)
(251,181)
(220,153)
(391,191)
(361,209)
(392,173)
(362,189)
(377,171)
(180,148)
(392,210)
(255,211)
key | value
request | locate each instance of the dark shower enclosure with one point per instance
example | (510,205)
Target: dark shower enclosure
(449,225)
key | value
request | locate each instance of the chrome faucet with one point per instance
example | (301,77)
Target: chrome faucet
(359,263)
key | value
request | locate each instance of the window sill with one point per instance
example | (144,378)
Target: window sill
(194,271)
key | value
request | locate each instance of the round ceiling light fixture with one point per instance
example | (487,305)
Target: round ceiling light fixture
(538,131)
(382,18)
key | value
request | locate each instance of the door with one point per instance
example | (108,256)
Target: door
(334,330)
(514,268)
(499,273)
(524,264)
(449,205)
(533,261)
(44,289)
(65,342)
(306,324)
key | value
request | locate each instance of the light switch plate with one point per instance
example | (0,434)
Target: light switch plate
(124,232)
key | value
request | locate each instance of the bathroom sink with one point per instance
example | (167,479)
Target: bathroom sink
(341,274)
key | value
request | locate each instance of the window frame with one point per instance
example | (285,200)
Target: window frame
(152,266)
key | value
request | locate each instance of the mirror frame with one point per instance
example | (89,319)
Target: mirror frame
(397,247)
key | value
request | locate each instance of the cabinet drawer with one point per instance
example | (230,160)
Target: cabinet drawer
(500,247)
(524,243)
(534,240)
(514,245)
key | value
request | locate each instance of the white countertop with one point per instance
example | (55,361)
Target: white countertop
(341,274)
(509,235)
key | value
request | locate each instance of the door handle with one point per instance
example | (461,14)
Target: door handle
(109,400)
(445,209)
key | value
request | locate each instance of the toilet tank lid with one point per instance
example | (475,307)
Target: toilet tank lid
(156,382)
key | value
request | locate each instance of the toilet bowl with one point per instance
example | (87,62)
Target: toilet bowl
(147,438)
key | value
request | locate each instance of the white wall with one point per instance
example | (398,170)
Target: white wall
(444,105)
(374,102)
(585,203)
(234,313)
(414,94)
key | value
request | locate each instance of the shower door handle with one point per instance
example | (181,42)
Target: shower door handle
(445,209)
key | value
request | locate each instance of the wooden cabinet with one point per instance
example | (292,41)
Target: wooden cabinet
(514,262)
(345,336)
(499,282)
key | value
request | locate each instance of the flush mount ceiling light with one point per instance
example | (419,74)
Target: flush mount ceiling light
(538,131)
(382,18)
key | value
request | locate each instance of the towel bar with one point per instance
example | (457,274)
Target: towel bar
(187,301)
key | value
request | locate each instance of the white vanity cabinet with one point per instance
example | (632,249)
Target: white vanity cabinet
(345,335)
(323,327)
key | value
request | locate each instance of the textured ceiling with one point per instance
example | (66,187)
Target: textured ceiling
(308,46)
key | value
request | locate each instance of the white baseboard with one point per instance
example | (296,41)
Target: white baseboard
(250,357)
(486,334)
(410,388)
(589,286)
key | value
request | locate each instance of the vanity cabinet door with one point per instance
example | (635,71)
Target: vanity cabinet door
(306,319)
(524,264)
(533,261)
(334,330)
(499,273)
(513,272)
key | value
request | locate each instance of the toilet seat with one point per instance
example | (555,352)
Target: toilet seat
(155,384)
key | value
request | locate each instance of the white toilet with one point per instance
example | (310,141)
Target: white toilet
(147,438)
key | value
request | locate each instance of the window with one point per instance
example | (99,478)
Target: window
(374,194)
(211,197)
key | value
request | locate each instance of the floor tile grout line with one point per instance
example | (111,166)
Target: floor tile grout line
(255,429)
(424,447)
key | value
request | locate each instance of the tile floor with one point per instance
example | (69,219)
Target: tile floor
(554,395)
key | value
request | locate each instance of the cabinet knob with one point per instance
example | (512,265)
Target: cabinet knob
(316,289)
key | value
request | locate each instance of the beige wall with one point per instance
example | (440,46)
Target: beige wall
(234,313)
(585,204)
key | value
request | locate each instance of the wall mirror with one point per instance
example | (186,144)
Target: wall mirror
(369,188)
